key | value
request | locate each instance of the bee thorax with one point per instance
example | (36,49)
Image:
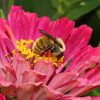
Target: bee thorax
(62,47)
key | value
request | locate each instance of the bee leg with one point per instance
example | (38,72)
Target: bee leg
(53,49)
(46,49)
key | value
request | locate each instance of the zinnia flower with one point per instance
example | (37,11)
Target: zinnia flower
(26,75)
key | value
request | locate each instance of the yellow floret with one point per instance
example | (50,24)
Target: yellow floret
(23,47)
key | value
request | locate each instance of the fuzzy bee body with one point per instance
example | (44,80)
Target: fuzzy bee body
(41,45)
(48,42)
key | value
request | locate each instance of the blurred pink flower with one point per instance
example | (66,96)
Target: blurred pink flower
(2,97)
(24,79)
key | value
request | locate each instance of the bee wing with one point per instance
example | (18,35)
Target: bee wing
(47,35)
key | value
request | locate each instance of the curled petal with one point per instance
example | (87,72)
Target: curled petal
(34,92)
(4,83)
(33,77)
(7,34)
(20,65)
(45,67)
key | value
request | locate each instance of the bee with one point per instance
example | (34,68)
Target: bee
(48,42)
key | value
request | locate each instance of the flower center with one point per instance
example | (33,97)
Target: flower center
(25,49)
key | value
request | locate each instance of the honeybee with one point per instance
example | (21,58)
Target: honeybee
(48,42)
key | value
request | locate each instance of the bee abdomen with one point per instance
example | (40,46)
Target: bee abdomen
(41,45)
(46,42)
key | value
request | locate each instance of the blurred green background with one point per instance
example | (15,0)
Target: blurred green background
(81,11)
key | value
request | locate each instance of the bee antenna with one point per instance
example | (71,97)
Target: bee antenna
(49,36)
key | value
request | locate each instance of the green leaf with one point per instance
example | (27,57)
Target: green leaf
(42,7)
(57,3)
(82,8)
(10,3)
(99,44)
(1,14)
(93,20)
(5,5)
(95,92)
(71,2)
(73,9)
(63,6)
(98,13)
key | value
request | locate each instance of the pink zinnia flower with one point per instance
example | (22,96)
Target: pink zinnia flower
(25,75)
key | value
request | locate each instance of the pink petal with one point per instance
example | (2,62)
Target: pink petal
(2,97)
(7,87)
(40,92)
(93,81)
(65,87)
(4,83)
(45,67)
(82,53)
(14,20)
(20,65)
(79,38)
(2,28)
(33,77)
(95,98)
(45,93)
(6,33)
(42,23)
(61,28)
(9,91)
(9,45)
(10,75)
(93,75)
(10,35)
(86,59)
(4,52)
(64,82)
(79,98)
(26,25)
(26,90)
(78,91)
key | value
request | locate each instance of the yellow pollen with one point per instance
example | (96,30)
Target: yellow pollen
(24,47)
